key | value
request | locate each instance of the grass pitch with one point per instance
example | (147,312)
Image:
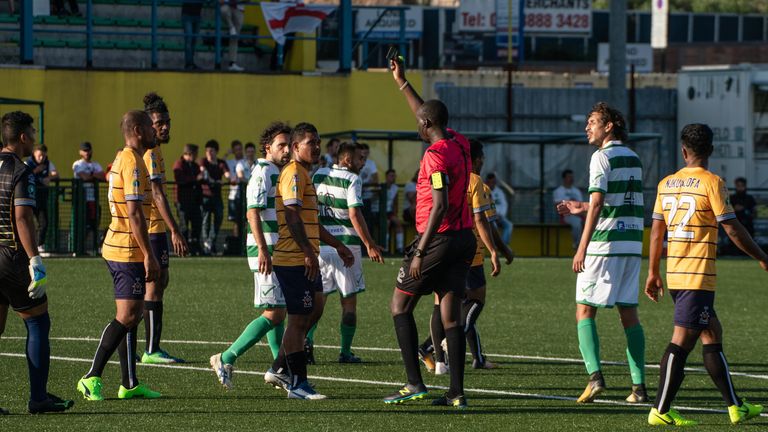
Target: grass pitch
(527,328)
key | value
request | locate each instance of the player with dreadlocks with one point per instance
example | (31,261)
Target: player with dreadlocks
(160,219)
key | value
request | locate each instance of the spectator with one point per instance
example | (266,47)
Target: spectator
(214,171)
(59,10)
(189,197)
(409,206)
(744,204)
(190,21)
(369,177)
(234,209)
(500,200)
(568,192)
(331,150)
(245,166)
(393,221)
(44,171)
(90,172)
(233,11)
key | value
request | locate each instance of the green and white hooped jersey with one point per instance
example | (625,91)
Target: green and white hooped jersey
(338,190)
(617,172)
(261,195)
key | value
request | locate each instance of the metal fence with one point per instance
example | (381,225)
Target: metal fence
(69,231)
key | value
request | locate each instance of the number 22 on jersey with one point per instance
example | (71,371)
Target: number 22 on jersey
(684,203)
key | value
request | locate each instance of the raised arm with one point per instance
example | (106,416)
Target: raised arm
(398,72)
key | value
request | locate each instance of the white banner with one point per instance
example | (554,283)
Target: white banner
(389,25)
(284,18)
(566,17)
(659,20)
(640,55)
(476,16)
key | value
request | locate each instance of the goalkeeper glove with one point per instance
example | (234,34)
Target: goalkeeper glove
(39,278)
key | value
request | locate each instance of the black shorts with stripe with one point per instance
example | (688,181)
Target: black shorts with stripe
(444,265)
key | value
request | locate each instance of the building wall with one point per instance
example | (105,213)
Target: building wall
(87,106)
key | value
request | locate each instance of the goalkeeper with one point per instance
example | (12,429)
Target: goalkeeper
(22,273)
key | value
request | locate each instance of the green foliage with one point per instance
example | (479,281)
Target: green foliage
(712,6)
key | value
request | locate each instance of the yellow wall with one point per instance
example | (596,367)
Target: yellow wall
(88,105)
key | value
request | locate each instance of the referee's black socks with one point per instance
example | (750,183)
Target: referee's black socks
(457,349)
(408,339)
(111,337)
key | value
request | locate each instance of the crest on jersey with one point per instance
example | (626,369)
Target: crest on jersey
(400,275)
(136,173)
(295,183)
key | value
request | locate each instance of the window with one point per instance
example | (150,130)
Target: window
(752,29)
(729,29)
(703,28)
(678,28)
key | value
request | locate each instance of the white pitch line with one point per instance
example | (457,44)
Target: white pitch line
(380,349)
(397,384)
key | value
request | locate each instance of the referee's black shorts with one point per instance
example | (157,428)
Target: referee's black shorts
(444,265)
(15,280)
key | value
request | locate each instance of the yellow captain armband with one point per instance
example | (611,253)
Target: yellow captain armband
(437,180)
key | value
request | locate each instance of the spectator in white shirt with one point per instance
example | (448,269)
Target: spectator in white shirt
(245,166)
(500,200)
(90,172)
(568,192)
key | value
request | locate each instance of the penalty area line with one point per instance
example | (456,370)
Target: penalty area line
(395,384)
(394,350)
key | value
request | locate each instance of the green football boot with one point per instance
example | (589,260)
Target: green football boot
(740,414)
(160,357)
(671,418)
(90,388)
(140,391)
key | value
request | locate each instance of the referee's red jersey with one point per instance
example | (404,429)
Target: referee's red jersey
(450,157)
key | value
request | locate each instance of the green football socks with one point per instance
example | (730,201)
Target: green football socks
(347,334)
(253,333)
(589,344)
(636,353)
(275,339)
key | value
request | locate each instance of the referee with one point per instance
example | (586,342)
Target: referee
(439,257)
(22,273)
